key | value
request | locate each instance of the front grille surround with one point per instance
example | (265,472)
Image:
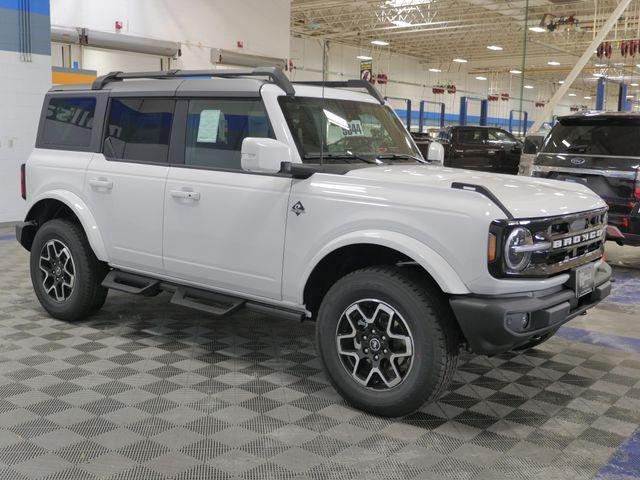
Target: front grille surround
(572,230)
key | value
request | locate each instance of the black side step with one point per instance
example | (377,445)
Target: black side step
(131,283)
(213,303)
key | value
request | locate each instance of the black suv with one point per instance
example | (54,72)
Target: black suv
(600,150)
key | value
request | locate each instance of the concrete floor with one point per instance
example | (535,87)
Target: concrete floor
(148,390)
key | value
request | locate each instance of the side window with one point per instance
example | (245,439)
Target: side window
(471,135)
(69,121)
(216,128)
(500,136)
(139,129)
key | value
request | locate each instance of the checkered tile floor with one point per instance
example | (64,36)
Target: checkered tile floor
(146,390)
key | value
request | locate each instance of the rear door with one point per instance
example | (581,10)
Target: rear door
(125,183)
(508,150)
(470,149)
(601,152)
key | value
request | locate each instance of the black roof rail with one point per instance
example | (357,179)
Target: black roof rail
(373,91)
(274,74)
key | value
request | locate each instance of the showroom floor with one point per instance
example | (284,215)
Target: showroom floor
(147,390)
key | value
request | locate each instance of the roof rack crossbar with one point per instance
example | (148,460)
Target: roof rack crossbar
(274,74)
(373,91)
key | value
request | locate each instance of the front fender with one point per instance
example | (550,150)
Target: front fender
(443,274)
(80,209)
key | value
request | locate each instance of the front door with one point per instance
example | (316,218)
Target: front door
(470,149)
(224,228)
(125,183)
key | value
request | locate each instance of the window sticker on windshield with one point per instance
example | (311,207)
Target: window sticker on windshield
(355,129)
(208,126)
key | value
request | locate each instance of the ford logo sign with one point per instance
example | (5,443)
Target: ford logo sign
(578,161)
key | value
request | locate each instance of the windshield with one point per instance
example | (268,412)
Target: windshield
(595,136)
(345,131)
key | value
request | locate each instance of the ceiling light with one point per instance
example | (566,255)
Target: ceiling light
(587,98)
(598,74)
(600,65)
(435,70)
(460,60)
(553,62)
(561,82)
(515,72)
(494,47)
(629,96)
(528,86)
(382,43)
(364,57)
(406,3)
(481,78)
(572,94)
(538,29)
(633,84)
(401,23)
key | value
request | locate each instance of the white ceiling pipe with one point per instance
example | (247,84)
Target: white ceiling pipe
(115,41)
(580,64)
(230,57)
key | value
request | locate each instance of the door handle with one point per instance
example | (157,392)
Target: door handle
(491,152)
(101,183)
(185,194)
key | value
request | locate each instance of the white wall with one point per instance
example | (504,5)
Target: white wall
(411,79)
(262,25)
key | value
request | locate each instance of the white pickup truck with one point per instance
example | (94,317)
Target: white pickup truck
(308,200)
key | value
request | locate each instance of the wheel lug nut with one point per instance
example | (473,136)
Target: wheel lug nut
(383,337)
(364,337)
(376,357)
(373,331)
(384,351)
(366,350)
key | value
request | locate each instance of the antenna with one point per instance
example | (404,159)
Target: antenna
(324,79)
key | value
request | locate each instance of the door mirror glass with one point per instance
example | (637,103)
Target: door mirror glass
(435,153)
(264,155)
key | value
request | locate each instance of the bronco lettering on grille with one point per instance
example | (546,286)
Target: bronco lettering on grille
(577,239)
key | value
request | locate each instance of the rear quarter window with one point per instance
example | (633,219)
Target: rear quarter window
(595,136)
(69,121)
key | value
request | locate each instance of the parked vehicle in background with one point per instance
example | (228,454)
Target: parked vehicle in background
(532,145)
(488,149)
(602,151)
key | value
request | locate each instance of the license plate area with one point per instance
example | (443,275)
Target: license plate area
(583,279)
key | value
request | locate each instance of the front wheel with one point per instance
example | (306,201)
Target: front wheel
(388,340)
(65,273)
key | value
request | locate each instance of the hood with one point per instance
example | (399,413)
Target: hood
(524,197)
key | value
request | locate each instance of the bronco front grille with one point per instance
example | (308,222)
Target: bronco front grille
(572,240)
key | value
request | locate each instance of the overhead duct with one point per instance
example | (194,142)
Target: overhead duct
(115,41)
(228,57)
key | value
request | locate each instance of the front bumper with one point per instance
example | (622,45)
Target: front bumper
(488,322)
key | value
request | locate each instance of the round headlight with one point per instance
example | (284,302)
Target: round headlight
(515,260)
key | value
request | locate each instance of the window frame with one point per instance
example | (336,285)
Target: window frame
(105,128)
(179,152)
(95,143)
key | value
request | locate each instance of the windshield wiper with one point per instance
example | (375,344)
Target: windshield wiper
(340,156)
(393,156)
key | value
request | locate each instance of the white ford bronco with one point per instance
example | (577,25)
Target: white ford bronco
(240,189)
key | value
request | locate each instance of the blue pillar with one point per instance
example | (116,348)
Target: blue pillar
(600,90)
(484,112)
(463,111)
(623,104)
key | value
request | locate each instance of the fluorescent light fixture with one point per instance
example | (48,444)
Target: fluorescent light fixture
(481,78)
(460,60)
(633,84)
(528,86)
(629,96)
(572,94)
(515,72)
(364,57)
(561,82)
(599,65)
(553,62)
(401,23)
(382,43)
(406,3)
(435,70)
(598,74)
(537,29)
(587,98)
(494,47)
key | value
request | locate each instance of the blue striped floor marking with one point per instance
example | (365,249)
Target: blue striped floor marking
(618,342)
(625,462)
(11,236)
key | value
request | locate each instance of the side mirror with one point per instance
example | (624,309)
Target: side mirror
(435,153)
(263,155)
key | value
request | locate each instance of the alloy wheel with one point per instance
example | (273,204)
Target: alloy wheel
(58,270)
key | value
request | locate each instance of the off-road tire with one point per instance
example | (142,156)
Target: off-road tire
(87,295)
(431,323)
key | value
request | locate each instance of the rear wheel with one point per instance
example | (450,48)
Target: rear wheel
(65,273)
(387,340)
